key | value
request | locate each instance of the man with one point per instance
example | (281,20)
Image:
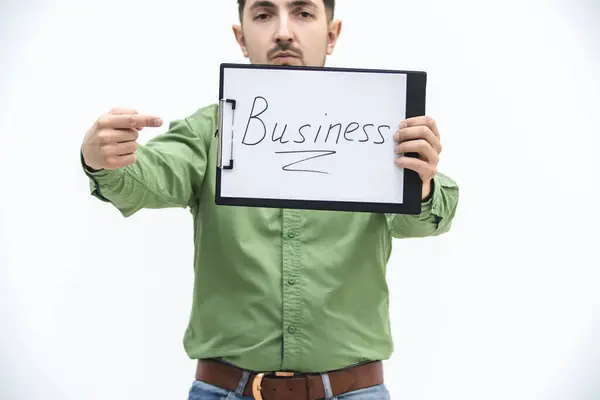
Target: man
(287,304)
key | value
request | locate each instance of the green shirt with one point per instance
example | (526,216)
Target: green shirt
(275,289)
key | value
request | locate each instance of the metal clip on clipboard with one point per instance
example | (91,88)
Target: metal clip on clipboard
(222,103)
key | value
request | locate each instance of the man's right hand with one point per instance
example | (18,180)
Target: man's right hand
(111,141)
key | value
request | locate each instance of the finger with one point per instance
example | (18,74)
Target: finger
(124,121)
(123,111)
(126,135)
(424,169)
(125,148)
(424,121)
(117,162)
(419,132)
(422,147)
(113,136)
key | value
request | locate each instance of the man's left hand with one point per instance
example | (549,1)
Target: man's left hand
(419,135)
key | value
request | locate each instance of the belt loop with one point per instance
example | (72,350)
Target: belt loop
(327,386)
(242,385)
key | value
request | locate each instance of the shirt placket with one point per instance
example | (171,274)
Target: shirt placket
(291,287)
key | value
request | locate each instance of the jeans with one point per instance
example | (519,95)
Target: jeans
(204,391)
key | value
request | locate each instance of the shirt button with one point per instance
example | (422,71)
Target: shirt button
(291,329)
(291,280)
(291,234)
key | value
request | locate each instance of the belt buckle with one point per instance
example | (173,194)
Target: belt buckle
(257,381)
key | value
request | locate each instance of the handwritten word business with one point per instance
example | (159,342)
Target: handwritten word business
(256,130)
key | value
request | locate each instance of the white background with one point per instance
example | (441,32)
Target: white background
(506,306)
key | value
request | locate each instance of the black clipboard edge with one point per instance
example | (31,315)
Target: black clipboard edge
(416,85)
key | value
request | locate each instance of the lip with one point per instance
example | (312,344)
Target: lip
(285,55)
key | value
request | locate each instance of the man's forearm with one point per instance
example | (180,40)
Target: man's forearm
(166,173)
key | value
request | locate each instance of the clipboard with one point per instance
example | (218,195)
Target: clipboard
(276,131)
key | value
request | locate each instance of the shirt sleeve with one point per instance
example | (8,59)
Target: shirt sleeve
(437,213)
(168,172)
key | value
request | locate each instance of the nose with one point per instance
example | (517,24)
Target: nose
(284,33)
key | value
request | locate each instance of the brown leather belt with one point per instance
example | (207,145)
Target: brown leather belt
(288,385)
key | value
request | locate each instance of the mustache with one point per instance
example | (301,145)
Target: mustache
(284,47)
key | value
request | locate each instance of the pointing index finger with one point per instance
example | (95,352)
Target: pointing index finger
(120,110)
(123,121)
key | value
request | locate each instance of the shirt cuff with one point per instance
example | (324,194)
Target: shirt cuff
(102,175)
(438,202)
